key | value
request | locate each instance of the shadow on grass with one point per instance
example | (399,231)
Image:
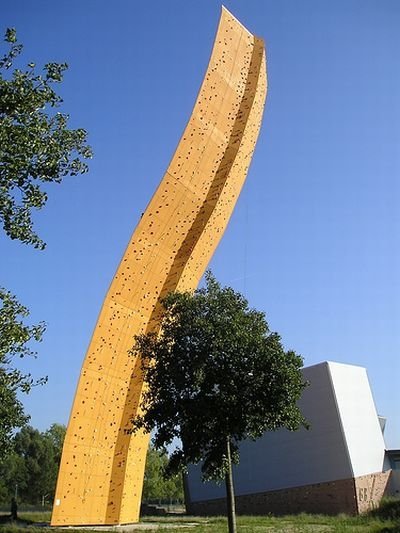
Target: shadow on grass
(389,509)
(391,529)
(6,519)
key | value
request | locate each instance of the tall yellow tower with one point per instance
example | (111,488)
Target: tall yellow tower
(102,466)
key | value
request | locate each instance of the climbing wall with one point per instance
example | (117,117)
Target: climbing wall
(102,466)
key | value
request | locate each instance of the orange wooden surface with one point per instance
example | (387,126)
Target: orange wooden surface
(102,466)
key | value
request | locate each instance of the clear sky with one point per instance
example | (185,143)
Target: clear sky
(314,240)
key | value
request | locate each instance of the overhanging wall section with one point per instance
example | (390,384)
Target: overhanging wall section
(101,473)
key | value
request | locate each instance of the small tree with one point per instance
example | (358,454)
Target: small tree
(215,376)
(155,485)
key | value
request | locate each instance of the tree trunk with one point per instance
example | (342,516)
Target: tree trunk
(230,494)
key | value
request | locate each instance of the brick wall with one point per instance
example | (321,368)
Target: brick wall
(350,496)
(370,489)
(328,498)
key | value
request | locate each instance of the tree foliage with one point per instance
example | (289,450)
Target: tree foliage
(36,147)
(215,372)
(15,342)
(156,486)
(31,469)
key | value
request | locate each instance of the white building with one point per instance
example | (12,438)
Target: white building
(338,465)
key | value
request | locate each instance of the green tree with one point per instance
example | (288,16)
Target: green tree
(56,435)
(31,469)
(156,485)
(36,149)
(15,340)
(216,375)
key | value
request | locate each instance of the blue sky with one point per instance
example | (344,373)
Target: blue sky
(314,240)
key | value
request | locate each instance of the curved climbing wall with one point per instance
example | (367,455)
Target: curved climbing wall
(102,466)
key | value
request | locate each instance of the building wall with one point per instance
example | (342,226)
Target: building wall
(394,487)
(393,462)
(345,441)
(350,496)
(328,498)
(370,489)
(358,417)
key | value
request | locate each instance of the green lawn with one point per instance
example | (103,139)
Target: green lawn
(386,519)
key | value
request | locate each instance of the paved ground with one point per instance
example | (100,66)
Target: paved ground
(127,528)
(149,526)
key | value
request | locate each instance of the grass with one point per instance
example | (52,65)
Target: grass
(385,519)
